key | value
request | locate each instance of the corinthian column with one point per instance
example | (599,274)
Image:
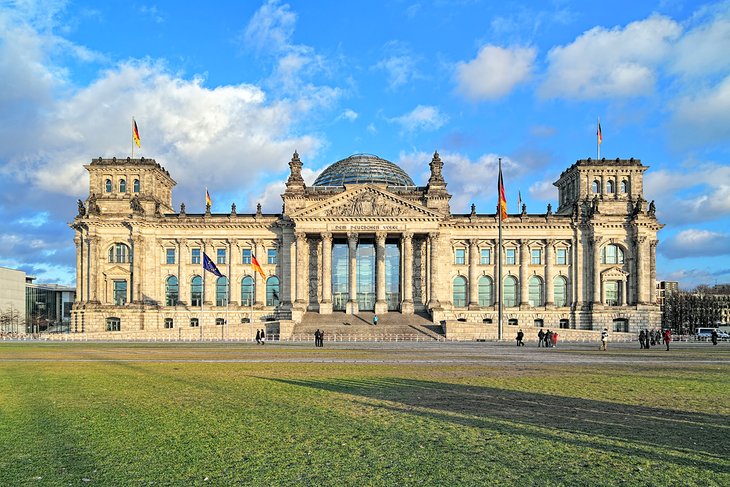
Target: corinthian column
(640,257)
(352,305)
(597,270)
(473,276)
(549,253)
(407,304)
(652,272)
(94,268)
(325,306)
(524,262)
(301,268)
(434,258)
(137,256)
(381,305)
(79,267)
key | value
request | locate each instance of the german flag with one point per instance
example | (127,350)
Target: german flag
(207,198)
(135,133)
(502,205)
(257,267)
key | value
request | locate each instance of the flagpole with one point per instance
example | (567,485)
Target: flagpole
(202,297)
(499,268)
(598,140)
(228,302)
(132,137)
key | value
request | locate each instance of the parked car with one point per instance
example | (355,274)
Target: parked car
(706,334)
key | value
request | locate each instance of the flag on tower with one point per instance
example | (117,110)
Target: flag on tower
(257,267)
(135,133)
(209,266)
(519,200)
(207,198)
(598,133)
(502,205)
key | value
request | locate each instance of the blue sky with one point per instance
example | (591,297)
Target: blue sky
(224,93)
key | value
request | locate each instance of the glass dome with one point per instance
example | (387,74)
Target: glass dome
(361,169)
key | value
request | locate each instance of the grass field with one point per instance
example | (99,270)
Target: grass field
(439,414)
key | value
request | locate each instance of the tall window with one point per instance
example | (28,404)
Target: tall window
(196,291)
(136,185)
(485,257)
(535,291)
(596,187)
(119,253)
(613,293)
(246,256)
(612,254)
(221,291)
(609,187)
(169,256)
(172,291)
(220,256)
(561,256)
(511,256)
(536,256)
(460,292)
(485,291)
(120,293)
(624,186)
(271,256)
(560,291)
(272,291)
(122,185)
(510,291)
(460,256)
(108,185)
(195,256)
(247,291)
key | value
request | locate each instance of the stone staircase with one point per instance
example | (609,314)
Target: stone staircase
(340,326)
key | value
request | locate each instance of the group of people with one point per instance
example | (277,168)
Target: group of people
(261,337)
(547,339)
(648,339)
(319,338)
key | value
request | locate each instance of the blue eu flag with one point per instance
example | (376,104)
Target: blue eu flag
(209,266)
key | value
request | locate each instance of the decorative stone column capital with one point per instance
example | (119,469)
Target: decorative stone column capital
(407,236)
(300,236)
(473,242)
(352,238)
(326,237)
(434,235)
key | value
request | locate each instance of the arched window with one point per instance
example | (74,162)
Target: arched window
(221,291)
(136,185)
(560,291)
(612,254)
(485,291)
(596,187)
(272,291)
(172,291)
(535,291)
(609,187)
(510,291)
(196,291)
(108,186)
(119,253)
(624,186)
(247,291)
(122,185)
(459,292)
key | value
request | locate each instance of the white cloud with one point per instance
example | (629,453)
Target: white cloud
(399,65)
(271,28)
(703,115)
(421,118)
(348,114)
(696,243)
(620,62)
(703,49)
(494,72)
(544,190)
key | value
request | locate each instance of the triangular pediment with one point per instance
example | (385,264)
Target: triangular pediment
(613,274)
(365,201)
(117,270)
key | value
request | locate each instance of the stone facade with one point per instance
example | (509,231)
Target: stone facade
(363,247)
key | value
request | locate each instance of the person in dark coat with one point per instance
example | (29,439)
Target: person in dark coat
(520,336)
(263,337)
(258,337)
(540,337)
(321,338)
(316,338)
(642,337)
(714,337)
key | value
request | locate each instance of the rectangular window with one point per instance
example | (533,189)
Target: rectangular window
(195,256)
(486,257)
(194,322)
(168,323)
(220,321)
(460,256)
(562,257)
(536,256)
(271,254)
(220,256)
(510,254)
(113,324)
(246,256)
(120,293)
(613,293)
(169,256)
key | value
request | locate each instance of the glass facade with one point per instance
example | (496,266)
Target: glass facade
(47,308)
(196,291)
(392,276)
(340,289)
(247,291)
(120,293)
(361,169)
(365,278)
(485,291)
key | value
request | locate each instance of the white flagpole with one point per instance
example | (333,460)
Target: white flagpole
(202,296)
(500,334)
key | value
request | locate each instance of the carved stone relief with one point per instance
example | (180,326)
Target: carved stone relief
(315,257)
(366,204)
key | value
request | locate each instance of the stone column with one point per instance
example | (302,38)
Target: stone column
(137,275)
(381,304)
(639,258)
(93,269)
(259,286)
(473,274)
(652,272)
(301,268)
(79,266)
(183,279)
(497,253)
(577,270)
(352,305)
(208,278)
(325,306)
(549,255)
(286,266)
(597,270)
(406,306)
(524,262)
(433,264)
(230,271)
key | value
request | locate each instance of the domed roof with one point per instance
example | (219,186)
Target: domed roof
(361,169)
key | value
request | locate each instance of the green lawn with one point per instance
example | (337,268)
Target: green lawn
(151,414)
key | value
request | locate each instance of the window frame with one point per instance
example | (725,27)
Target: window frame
(564,259)
(246,259)
(510,256)
(459,256)
(170,255)
(536,256)
(271,256)
(485,256)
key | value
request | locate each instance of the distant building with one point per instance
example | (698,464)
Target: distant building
(363,238)
(663,289)
(12,300)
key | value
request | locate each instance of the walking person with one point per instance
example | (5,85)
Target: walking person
(555,339)
(642,337)
(258,337)
(714,336)
(604,340)
(540,337)
(316,338)
(375,320)
(667,337)
(263,337)
(520,336)
(549,339)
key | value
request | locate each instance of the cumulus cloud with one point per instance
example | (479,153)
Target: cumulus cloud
(348,114)
(544,190)
(271,28)
(702,50)
(494,72)
(421,118)
(618,62)
(706,113)
(399,64)
(696,243)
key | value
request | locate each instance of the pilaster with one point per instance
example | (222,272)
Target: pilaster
(325,306)
(381,305)
(407,304)
(473,274)
(352,304)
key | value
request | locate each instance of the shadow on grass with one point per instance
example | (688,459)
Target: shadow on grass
(658,434)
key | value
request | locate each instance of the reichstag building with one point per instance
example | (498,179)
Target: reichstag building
(362,238)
